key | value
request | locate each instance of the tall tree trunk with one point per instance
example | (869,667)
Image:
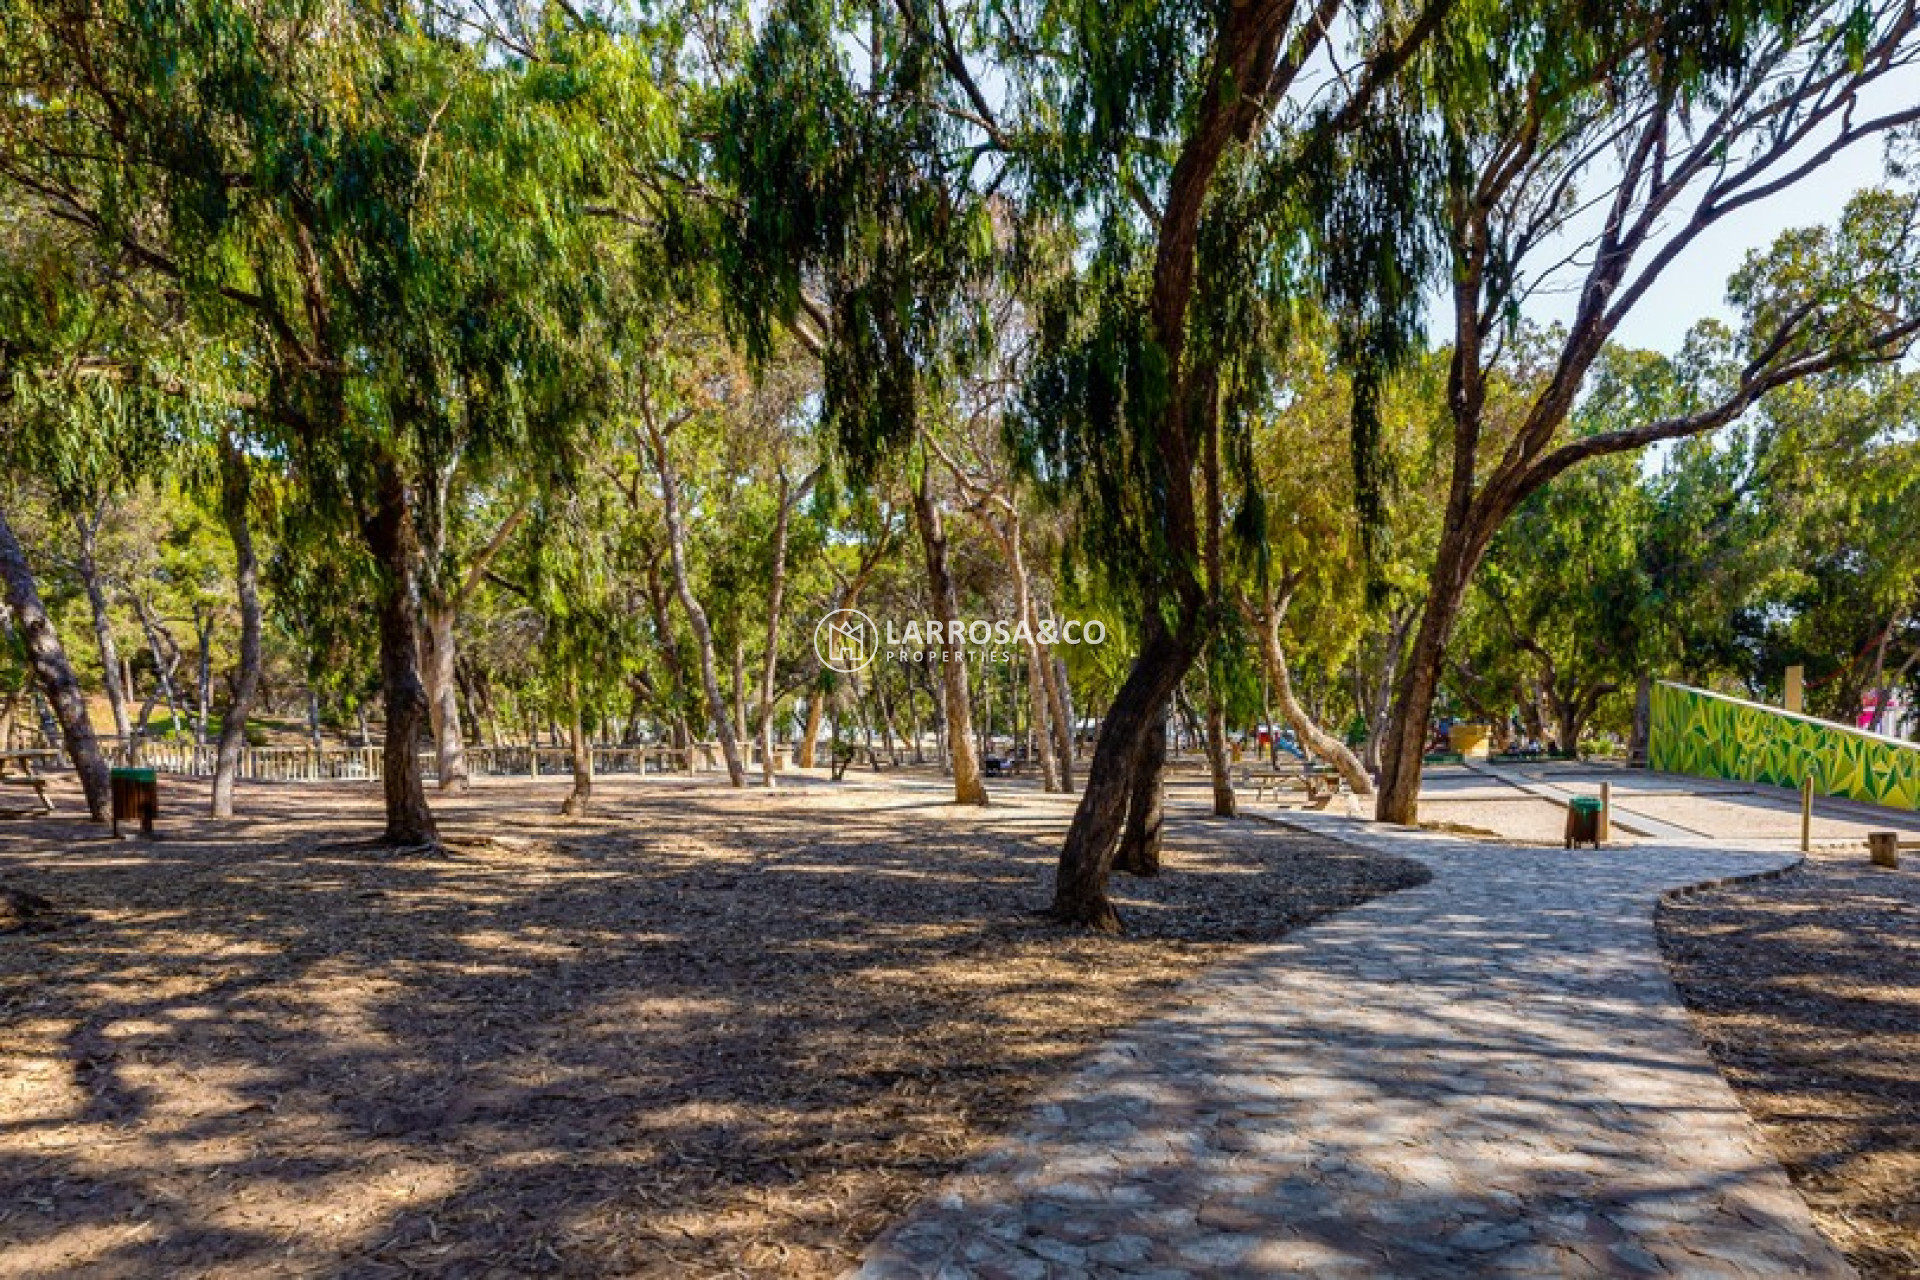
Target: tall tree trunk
(166,660)
(390,536)
(441,604)
(54,672)
(1037,682)
(1053,680)
(968,786)
(913,718)
(1093,838)
(1399,794)
(203,681)
(740,693)
(437,671)
(1139,853)
(236,486)
(575,805)
(1218,763)
(87,530)
(810,736)
(1379,704)
(717,711)
(776,599)
(1323,744)
(669,654)
(1061,691)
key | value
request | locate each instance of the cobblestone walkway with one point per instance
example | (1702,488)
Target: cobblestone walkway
(1487,1075)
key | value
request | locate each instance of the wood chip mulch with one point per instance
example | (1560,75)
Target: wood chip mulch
(696,1033)
(1807,991)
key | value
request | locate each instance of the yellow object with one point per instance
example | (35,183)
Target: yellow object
(1474,740)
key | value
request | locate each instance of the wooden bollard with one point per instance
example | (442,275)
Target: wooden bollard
(1606,812)
(1883,849)
(1806,815)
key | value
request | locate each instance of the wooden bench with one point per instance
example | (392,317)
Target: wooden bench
(37,785)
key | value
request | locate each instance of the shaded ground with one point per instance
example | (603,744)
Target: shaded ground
(1807,992)
(701,1032)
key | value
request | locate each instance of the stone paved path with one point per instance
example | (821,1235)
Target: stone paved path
(1487,1075)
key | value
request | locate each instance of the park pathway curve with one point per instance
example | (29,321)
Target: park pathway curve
(1490,1074)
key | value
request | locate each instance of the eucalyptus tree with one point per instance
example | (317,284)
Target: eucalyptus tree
(1186,140)
(319,179)
(849,136)
(677,391)
(1833,470)
(1608,148)
(73,420)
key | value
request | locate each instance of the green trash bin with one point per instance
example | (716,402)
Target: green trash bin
(1583,821)
(136,797)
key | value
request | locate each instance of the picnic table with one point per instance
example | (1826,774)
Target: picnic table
(1320,783)
(841,759)
(26,778)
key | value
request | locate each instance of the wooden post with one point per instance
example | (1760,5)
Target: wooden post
(1806,815)
(1883,848)
(1606,812)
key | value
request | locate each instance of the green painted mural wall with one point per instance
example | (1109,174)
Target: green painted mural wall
(1711,736)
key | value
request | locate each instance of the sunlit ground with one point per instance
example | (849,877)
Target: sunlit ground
(698,1031)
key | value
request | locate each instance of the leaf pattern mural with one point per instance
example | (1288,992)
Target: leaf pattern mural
(1708,735)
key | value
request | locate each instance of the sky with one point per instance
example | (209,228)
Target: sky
(1694,286)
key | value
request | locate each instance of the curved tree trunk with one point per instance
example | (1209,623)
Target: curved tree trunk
(236,485)
(54,672)
(87,530)
(1318,740)
(717,710)
(1093,839)
(968,786)
(1139,853)
(389,533)
(1399,794)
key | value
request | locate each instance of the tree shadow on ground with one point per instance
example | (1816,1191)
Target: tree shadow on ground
(700,1030)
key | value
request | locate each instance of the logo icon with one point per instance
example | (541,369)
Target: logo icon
(846,640)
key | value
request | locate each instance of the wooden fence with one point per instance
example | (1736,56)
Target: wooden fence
(330,764)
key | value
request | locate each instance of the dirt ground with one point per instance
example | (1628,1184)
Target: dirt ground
(1807,992)
(699,1032)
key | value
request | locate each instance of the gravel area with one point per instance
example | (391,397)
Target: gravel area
(1521,818)
(698,1033)
(1807,992)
